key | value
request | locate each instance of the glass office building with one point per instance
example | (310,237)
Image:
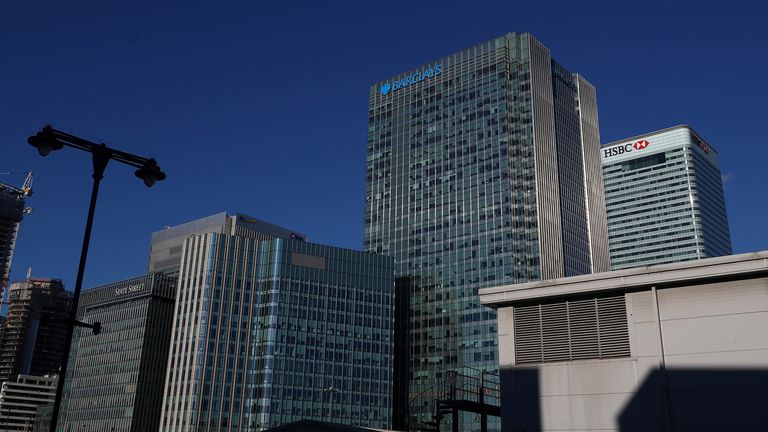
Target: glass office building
(267,332)
(115,379)
(483,169)
(664,199)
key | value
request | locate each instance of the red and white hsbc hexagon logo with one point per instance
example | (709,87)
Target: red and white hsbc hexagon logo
(617,150)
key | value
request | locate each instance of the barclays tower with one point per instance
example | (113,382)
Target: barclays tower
(483,169)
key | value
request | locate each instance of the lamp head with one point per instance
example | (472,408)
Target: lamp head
(150,173)
(45,141)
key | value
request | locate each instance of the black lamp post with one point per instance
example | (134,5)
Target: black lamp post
(48,140)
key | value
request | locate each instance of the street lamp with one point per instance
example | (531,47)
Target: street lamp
(48,140)
(331,390)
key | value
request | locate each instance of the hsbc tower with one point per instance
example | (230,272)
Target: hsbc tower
(664,199)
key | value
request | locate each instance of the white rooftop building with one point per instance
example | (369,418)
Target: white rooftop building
(680,346)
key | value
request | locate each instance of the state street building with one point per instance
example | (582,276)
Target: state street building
(271,330)
(115,381)
(483,169)
(664,199)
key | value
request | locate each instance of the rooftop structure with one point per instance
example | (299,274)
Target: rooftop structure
(677,346)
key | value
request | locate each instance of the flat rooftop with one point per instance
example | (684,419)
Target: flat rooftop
(660,276)
(659,132)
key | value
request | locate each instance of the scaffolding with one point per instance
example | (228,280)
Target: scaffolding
(12,210)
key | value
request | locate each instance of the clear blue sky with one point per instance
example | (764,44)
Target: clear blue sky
(263,109)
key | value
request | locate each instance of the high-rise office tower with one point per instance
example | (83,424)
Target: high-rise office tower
(483,169)
(664,199)
(12,209)
(117,376)
(267,331)
(33,338)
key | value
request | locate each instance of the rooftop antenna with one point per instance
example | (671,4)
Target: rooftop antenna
(29,273)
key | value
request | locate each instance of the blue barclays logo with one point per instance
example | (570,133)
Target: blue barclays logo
(428,72)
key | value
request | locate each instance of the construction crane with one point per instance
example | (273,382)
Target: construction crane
(12,211)
(26,188)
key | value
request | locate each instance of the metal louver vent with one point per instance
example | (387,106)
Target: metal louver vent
(572,330)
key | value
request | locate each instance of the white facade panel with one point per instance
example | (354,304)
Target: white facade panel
(712,334)
(646,342)
(756,358)
(697,301)
(642,307)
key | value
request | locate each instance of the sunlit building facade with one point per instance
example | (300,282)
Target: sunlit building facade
(267,332)
(664,199)
(483,169)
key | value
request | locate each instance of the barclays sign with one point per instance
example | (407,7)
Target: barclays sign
(428,72)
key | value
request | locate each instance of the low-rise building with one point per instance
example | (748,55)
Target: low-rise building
(20,397)
(678,346)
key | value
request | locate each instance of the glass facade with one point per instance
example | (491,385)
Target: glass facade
(267,332)
(115,379)
(485,174)
(664,198)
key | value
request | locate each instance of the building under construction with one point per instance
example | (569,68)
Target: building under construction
(12,210)
(35,328)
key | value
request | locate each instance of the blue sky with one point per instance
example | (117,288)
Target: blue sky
(263,109)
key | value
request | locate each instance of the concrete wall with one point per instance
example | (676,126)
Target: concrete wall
(699,361)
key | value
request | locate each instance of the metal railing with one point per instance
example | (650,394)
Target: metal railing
(465,389)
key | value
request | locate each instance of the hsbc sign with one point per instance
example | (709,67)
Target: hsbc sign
(627,148)
(702,145)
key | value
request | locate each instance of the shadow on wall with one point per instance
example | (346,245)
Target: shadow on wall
(520,403)
(673,400)
(699,400)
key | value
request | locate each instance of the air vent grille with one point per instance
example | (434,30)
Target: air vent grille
(572,330)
